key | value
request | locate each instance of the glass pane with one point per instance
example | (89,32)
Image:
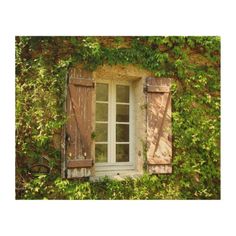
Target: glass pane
(122,93)
(122,133)
(101,92)
(101,152)
(122,113)
(122,152)
(101,112)
(101,132)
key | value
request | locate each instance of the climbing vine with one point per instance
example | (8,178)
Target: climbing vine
(193,62)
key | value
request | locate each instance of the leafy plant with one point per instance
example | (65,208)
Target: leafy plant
(194,63)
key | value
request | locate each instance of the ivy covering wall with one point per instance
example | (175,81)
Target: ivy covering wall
(194,63)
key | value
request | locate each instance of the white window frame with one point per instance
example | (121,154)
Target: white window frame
(111,165)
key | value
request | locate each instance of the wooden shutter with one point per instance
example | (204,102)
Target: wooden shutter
(78,159)
(159,137)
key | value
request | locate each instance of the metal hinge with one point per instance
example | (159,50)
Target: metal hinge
(145,88)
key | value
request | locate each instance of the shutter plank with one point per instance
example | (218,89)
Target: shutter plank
(70,131)
(80,163)
(157,89)
(160,169)
(159,154)
(82,82)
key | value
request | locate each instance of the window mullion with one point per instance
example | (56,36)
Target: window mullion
(110,124)
(113,122)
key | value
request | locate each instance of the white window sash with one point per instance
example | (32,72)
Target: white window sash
(112,164)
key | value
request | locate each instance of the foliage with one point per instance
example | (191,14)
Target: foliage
(145,187)
(194,63)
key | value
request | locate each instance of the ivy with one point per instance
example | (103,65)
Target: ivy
(194,63)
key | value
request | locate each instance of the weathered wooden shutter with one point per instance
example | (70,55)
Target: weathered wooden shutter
(159,137)
(78,159)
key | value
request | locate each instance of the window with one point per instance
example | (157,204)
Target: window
(113,128)
(132,125)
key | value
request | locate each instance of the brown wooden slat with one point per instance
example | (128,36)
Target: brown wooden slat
(160,169)
(80,163)
(158,89)
(78,72)
(158,161)
(82,82)
(70,130)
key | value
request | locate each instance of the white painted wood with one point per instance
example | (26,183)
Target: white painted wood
(112,165)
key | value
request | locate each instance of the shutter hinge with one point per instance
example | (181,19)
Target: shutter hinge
(145,88)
